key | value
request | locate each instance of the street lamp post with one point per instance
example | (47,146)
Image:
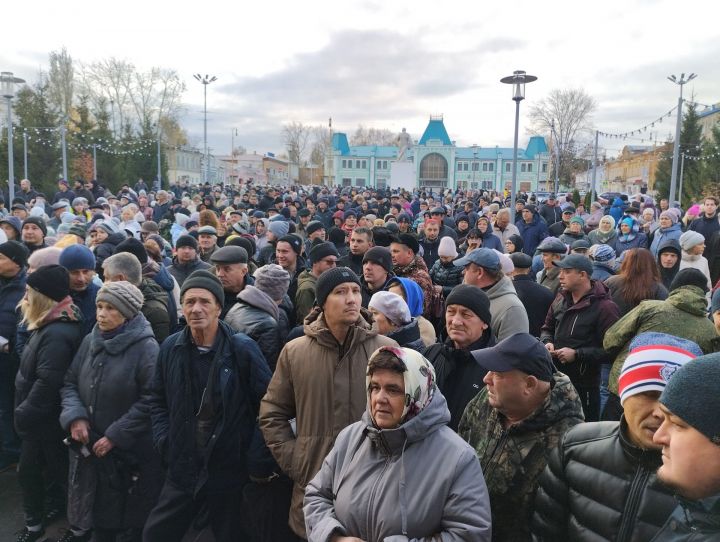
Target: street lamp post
(518,80)
(206,80)
(8,82)
(676,147)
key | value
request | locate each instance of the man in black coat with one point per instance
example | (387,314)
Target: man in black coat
(208,385)
(601,483)
(535,298)
(550,211)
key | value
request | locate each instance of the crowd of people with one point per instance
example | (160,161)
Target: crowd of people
(350,364)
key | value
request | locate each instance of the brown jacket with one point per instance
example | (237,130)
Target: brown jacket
(323,391)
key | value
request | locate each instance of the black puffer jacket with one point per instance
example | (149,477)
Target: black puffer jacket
(599,486)
(155,308)
(408,336)
(256,315)
(181,270)
(446,275)
(45,359)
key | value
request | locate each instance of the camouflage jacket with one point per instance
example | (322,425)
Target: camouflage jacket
(513,458)
(683,314)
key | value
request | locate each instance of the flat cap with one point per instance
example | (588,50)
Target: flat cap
(230,254)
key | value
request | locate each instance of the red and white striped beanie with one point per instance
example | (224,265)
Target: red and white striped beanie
(653,359)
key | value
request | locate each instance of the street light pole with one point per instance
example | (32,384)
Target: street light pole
(8,82)
(94,162)
(594,173)
(556,149)
(518,80)
(682,174)
(63,144)
(25,163)
(206,80)
(678,125)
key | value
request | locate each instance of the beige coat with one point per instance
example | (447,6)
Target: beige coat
(323,391)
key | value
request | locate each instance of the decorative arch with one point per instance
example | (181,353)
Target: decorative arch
(433,167)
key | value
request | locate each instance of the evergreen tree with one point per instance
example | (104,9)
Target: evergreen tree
(710,165)
(691,146)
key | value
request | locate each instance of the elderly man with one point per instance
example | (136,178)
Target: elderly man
(231,267)
(126,266)
(690,440)
(322,257)
(575,326)
(618,458)
(207,390)
(551,250)
(186,259)
(513,423)
(162,205)
(80,264)
(207,242)
(482,268)
(467,321)
(502,228)
(319,383)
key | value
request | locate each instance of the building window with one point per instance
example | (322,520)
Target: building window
(491,166)
(485,166)
(357,164)
(364,164)
(475,166)
(381,183)
(433,167)
(346,181)
(359,182)
(523,168)
(544,167)
(508,167)
(378,164)
(344,164)
(529,167)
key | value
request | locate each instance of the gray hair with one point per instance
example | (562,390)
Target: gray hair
(125,264)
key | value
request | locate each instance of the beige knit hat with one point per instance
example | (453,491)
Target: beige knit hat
(122,295)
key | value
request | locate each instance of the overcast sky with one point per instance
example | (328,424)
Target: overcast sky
(387,64)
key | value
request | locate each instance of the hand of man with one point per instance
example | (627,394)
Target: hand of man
(565,355)
(550,348)
(103,446)
(80,431)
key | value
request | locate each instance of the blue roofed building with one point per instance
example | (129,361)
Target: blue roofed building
(438,163)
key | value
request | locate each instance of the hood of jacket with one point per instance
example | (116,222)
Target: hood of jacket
(135,330)
(257,298)
(316,327)
(307,279)
(690,299)
(502,287)
(151,290)
(392,441)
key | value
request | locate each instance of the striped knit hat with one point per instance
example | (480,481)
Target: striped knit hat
(653,359)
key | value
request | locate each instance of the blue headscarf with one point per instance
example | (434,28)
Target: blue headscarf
(413,294)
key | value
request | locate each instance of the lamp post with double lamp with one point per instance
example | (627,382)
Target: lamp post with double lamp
(205,80)
(676,147)
(8,82)
(518,80)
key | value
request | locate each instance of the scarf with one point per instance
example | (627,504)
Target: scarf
(63,311)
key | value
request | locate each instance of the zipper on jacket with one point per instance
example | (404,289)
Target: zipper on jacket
(371,499)
(632,503)
(572,329)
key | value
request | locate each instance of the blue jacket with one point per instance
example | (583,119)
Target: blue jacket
(85,301)
(663,234)
(616,210)
(236,448)
(532,234)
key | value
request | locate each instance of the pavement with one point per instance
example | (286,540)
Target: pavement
(11,515)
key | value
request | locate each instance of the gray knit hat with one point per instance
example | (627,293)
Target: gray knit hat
(273,280)
(692,395)
(690,239)
(279,228)
(122,295)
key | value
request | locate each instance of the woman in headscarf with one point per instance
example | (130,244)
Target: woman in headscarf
(489,239)
(605,234)
(513,244)
(55,327)
(382,480)
(105,408)
(411,292)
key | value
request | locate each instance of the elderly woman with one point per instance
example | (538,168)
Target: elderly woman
(382,481)
(55,328)
(105,408)
(392,317)
(605,234)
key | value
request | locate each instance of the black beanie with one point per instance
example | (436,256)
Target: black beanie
(17,252)
(39,222)
(186,241)
(337,236)
(134,247)
(322,250)
(380,256)
(330,279)
(244,242)
(690,277)
(473,298)
(409,241)
(205,280)
(292,240)
(52,281)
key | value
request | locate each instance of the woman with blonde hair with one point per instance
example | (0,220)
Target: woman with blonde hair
(55,328)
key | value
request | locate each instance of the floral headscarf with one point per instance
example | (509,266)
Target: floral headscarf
(419,377)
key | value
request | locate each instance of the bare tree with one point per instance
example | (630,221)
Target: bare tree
(322,142)
(296,136)
(112,79)
(61,82)
(372,136)
(569,112)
